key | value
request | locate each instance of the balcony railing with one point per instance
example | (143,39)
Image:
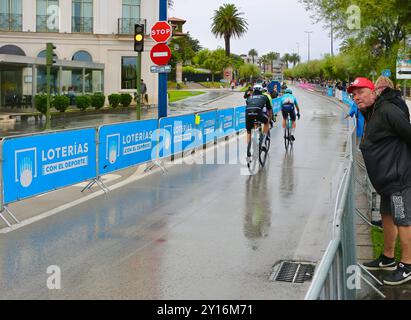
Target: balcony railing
(126,25)
(82,25)
(47,24)
(11,22)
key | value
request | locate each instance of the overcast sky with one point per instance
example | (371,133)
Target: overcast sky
(273,25)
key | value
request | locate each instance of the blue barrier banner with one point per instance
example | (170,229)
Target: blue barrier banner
(276,105)
(175,135)
(40,163)
(330,92)
(239,118)
(226,125)
(125,145)
(206,128)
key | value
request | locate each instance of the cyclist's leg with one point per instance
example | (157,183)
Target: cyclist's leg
(285,115)
(293,118)
(249,123)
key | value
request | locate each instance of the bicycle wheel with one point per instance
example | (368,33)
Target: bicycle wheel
(286,138)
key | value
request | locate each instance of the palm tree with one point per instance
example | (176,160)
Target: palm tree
(295,58)
(227,23)
(286,58)
(263,61)
(253,53)
(272,56)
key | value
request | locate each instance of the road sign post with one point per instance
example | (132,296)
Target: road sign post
(162,77)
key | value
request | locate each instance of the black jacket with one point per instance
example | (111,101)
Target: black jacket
(386,146)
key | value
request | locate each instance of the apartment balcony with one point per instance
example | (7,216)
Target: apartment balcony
(47,24)
(81,25)
(126,26)
(11,22)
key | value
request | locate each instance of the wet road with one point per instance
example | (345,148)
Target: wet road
(199,232)
(198,103)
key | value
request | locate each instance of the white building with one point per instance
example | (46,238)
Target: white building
(94,47)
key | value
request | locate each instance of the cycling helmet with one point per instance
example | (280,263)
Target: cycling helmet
(258,87)
(289,91)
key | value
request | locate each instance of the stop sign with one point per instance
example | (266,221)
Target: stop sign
(161,31)
(160,54)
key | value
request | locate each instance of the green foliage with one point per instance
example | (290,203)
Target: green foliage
(174,85)
(114,100)
(83,102)
(61,103)
(212,85)
(97,100)
(216,62)
(183,49)
(249,70)
(125,99)
(41,103)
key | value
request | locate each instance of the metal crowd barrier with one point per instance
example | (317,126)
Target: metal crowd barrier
(332,275)
(35,164)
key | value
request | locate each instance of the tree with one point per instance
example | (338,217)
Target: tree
(271,57)
(249,71)
(387,21)
(294,59)
(216,62)
(228,23)
(253,53)
(286,59)
(183,49)
(263,62)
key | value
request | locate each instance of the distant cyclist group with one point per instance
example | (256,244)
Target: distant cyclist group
(259,110)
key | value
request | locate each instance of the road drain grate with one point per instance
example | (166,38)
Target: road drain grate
(294,272)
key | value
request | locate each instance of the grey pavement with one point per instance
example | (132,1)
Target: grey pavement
(202,231)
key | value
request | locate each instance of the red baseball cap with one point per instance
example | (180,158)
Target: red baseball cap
(361,83)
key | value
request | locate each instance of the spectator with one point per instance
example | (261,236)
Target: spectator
(384,86)
(386,149)
(143,92)
(248,92)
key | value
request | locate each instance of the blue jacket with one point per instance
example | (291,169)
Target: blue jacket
(360,118)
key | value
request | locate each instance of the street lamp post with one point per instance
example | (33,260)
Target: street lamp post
(308,33)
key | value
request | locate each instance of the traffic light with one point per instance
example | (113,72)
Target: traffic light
(139,37)
(51,57)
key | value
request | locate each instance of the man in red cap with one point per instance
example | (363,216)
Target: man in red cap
(386,149)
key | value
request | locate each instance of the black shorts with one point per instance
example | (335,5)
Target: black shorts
(286,112)
(253,116)
(399,206)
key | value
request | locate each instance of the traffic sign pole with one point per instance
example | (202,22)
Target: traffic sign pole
(162,77)
(138,84)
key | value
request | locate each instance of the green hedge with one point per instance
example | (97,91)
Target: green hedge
(83,102)
(61,103)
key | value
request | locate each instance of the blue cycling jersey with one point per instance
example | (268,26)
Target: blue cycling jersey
(288,101)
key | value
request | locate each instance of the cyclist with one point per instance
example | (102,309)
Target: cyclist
(288,105)
(257,108)
(270,111)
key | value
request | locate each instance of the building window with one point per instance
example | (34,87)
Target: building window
(82,56)
(12,49)
(131,16)
(47,16)
(128,72)
(11,15)
(82,19)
